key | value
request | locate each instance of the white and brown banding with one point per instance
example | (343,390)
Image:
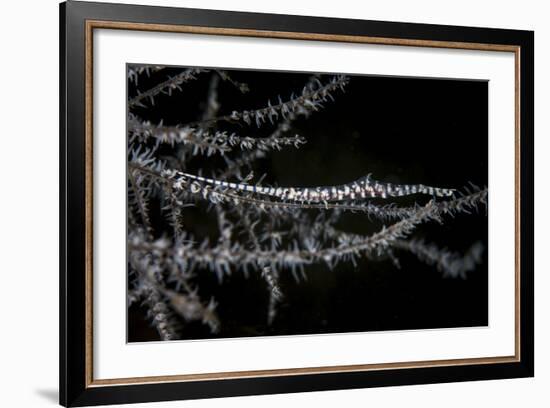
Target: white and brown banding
(360,189)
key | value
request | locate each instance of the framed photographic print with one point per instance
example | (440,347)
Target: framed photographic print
(256,203)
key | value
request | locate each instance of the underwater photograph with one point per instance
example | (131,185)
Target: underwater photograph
(271,203)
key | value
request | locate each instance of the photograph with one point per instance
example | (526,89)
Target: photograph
(276,203)
(259,202)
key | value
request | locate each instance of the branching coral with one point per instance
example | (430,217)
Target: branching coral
(262,228)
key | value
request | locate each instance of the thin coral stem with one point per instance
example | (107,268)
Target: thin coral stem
(309,100)
(208,142)
(222,256)
(452,264)
(167,87)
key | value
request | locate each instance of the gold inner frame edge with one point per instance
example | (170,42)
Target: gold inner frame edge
(103,24)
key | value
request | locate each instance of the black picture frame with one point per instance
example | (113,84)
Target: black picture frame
(77,387)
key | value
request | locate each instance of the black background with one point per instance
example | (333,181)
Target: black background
(403,130)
